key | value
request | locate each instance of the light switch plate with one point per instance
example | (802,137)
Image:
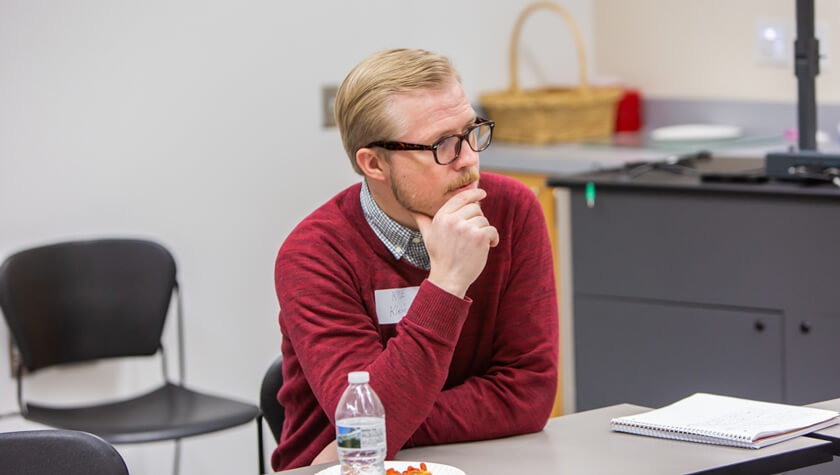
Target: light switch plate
(773,43)
(774,40)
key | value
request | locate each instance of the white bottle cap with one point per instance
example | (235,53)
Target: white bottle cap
(358,377)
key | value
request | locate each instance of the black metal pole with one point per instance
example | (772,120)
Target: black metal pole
(807,163)
(807,67)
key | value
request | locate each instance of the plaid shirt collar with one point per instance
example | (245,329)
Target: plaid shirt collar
(400,241)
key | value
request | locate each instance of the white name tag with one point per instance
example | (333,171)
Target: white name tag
(393,304)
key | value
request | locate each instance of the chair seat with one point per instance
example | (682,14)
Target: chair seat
(169,412)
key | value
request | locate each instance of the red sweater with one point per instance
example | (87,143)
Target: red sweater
(452,369)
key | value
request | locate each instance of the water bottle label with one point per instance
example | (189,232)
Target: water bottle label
(354,437)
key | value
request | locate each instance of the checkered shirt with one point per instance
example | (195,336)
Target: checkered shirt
(400,241)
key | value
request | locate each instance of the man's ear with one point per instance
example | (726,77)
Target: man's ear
(372,164)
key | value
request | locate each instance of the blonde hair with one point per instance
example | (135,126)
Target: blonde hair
(362,104)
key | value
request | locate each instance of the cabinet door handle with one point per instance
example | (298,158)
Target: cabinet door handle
(805,327)
(759,326)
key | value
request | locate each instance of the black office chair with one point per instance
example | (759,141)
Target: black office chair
(86,300)
(270,408)
(58,452)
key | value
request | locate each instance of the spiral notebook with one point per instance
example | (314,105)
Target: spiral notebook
(724,420)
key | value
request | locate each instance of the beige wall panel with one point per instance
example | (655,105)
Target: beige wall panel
(704,49)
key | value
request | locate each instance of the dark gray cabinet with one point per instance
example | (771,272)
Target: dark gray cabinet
(812,369)
(659,352)
(682,286)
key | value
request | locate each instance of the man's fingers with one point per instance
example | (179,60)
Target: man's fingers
(490,232)
(463,198)
(468,211)
(494,236)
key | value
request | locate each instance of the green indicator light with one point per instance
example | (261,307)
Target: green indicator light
(590,195)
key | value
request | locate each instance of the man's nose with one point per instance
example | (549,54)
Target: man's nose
(467,158)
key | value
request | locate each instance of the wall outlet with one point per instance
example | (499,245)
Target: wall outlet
(773,43)
(328,94)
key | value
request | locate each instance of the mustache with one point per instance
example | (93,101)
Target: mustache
(466,178)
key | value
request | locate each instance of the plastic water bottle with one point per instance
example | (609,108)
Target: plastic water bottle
(360,428)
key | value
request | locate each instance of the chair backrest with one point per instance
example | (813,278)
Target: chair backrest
(85,300)
(272,411)
(58,452)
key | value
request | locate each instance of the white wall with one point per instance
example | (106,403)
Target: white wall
(197,123)
(706,49)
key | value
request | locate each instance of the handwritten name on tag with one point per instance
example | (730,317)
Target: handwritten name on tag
(393,304)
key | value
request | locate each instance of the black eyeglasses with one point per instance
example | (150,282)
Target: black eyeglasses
(447,149)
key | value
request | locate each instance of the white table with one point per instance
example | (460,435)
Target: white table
(584,443)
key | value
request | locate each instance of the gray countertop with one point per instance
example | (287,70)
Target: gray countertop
(564,159)
(616,152)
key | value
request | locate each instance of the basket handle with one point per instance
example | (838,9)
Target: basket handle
(514,45)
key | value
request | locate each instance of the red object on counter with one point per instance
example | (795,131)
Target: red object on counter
(628,117)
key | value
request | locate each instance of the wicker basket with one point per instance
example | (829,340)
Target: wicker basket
(550,115)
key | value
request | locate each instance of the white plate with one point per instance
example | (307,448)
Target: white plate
(435,468)
(690,132)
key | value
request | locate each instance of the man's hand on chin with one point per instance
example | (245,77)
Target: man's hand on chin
(458,239)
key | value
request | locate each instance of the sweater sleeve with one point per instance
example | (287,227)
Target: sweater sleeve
(332,334)
(516,394)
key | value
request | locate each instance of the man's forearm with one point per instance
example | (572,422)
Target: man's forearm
(508,403)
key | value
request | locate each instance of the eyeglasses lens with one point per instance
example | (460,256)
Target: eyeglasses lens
(449,149)
(480,137)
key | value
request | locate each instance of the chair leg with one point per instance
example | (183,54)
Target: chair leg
(260,456)
(176,463)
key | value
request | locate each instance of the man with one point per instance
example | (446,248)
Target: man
(435,279)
